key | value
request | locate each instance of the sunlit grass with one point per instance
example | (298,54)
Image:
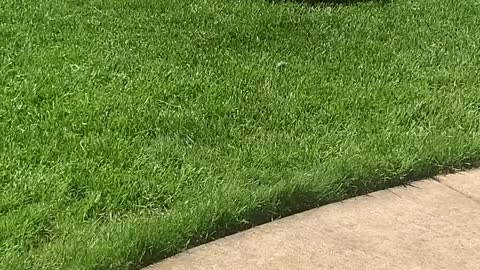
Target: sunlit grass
(131,130)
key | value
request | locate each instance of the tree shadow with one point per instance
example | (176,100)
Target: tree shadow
(334,2)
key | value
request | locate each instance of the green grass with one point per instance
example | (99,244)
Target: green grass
(132,129)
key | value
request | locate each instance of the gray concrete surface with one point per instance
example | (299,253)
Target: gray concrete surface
(433,224)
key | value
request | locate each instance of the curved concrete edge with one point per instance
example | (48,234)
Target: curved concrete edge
(432,224)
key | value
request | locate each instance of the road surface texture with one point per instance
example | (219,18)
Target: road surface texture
(432,224)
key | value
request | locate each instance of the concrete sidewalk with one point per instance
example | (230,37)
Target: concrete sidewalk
(434,224)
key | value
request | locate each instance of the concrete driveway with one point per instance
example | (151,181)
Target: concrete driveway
(433,224)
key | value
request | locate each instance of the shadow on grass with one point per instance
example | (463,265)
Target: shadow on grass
(299,199)
(333,2)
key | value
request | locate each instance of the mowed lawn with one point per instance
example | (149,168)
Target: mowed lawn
(133,129)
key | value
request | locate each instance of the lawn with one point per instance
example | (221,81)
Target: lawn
(133,129)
